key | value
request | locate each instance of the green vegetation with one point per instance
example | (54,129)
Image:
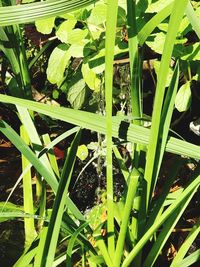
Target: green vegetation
(86,42)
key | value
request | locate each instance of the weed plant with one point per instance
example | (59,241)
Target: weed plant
(132,230)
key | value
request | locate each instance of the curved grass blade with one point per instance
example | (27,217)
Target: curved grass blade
(72,241)
(153,23)
(51,239)
(191,259)
(111,23)
(20,14)
(121,129)
(28,153)
(132,187)
(193,18)
(186,245)
(29,227)
(175,20)
(166,232)
(183,196)
(43,151)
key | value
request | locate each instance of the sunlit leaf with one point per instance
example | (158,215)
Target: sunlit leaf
(45,26)
(58,61)
(158,6)
(77,36)
(98,14)
(90,77)
(76,94)
(82,152)
(183,97)
(64,30)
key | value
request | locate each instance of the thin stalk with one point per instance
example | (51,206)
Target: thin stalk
(134,60)
(111,22)
(135,87)
(132,187)
(175,19)
(29,228)
(193,186)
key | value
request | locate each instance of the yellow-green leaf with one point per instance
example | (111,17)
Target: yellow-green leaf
(183,97)
(45,26)
(82,152)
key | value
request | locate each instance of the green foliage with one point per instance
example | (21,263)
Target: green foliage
(89,37)
(183,97)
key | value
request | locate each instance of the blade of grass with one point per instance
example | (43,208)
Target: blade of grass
(58,207)
(27,13)
(188,190)
(193,18)
(44,150)
(28,153)
(135,62)
(164,126)
(186,245)
(111,22)
(175,19)
(191,259)
(132,187)
(33,135)
(154,22)
(120,129)
(72,242)
(159,204)
(166,232)
(29,227)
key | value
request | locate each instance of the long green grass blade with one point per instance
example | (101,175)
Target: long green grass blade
(175,19)
(111,22)
(58,207)
(186,245)
(193,18)
(154,22)
(29,227)
(132,187)
(27,13)
(188,190)
(27,152)
(121,128)
(72,242)
(166,231)
(165,120)
(33,135)
(191,259)
(134,60)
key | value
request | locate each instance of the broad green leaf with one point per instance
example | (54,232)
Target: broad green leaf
(82,152)
(90,77)
(77,36)
(156,42)
(58,61)
(98,14)
(95,31)
(158,6)
(121,16)
(183,97)
(77,49)
(45,26)
(76,94)
(64,29)
(170,74)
